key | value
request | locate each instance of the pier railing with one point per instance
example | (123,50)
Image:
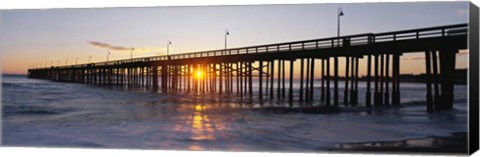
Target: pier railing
(333,42)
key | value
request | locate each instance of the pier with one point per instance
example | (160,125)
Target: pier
(270,68)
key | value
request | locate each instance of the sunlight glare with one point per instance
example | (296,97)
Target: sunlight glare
(199,74)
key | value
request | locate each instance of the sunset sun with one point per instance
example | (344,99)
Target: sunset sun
(199,74)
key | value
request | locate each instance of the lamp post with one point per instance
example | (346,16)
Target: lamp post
(168,46)
(226,34)
(131,53)
(335,60)
(89,59)
(76,61)
(108,54)
(66,60)
(340,13)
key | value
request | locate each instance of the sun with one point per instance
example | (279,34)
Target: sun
(199,74)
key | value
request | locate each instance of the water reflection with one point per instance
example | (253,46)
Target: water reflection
(202,127)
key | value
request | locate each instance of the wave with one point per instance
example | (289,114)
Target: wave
(10,85)
(21,84)
(34,110)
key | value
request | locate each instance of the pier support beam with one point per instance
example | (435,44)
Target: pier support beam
(354,82)
(345,91)
(435,77)
(328,83)
(242,80)
(387,80)
(430,107)
(312,77)
(447,70)
(155,77)
(322,96)
(368,94)
(335,81)
(250,82)
(220,79)
(283,79)
(279,78)
(382,78)
(260,80)
(290,90)
(301,79)
(237,73)
(396,79)
(376,93)
(271,78)
(307,77)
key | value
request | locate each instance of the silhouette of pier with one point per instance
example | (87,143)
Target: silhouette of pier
(232,71)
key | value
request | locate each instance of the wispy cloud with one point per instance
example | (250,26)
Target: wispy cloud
(107,46)
(103,45)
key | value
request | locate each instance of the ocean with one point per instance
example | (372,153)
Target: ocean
(40,113)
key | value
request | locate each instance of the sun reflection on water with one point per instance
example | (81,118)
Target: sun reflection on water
(202,128)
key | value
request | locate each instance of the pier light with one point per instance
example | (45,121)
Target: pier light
(131,52)
(227,33)
(90,59)
(168,46)
(108,54)
(76,61)
(340,13)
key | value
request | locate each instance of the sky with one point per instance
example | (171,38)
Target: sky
(58,36)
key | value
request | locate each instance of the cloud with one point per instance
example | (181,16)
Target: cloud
(103,45)
(107,46)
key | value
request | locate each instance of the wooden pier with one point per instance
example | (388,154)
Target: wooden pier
(233,71)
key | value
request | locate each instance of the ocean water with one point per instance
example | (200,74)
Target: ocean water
(52,114)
